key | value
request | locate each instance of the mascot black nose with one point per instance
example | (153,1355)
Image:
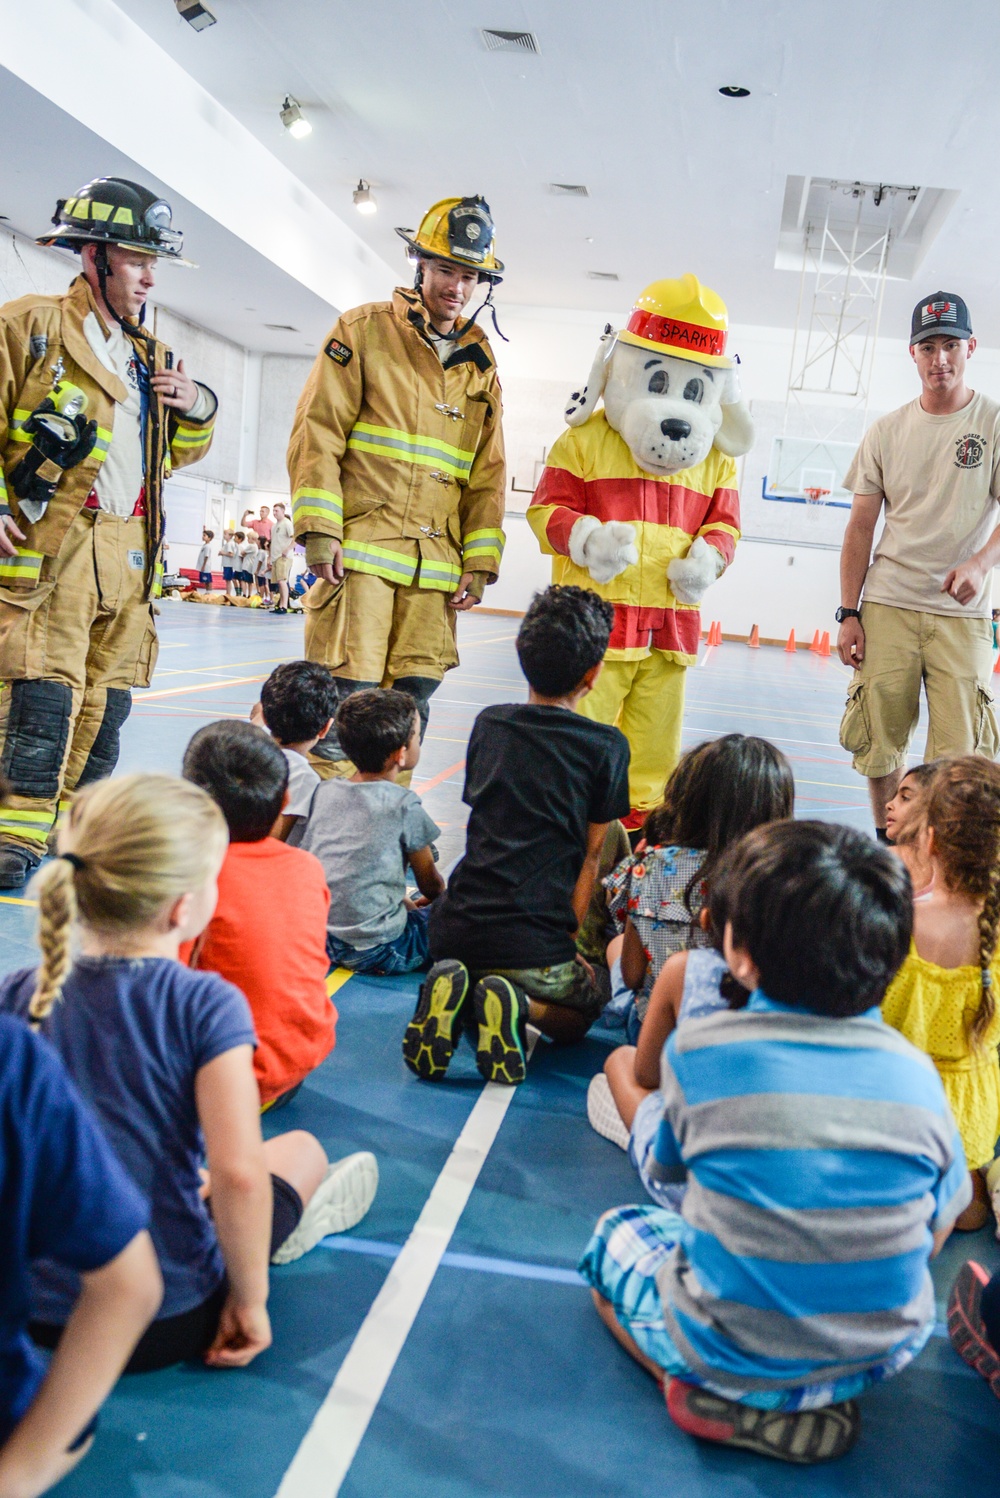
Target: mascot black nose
(675,430)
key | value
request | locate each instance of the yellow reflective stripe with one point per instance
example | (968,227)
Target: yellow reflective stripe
(367,429)
(480,544)
(101,211)
(321,504)
(406,447)
(16,432)
(80,209)
(3,488)
(123,216)
(191,437)
(33,826)
(443,576)
(492,535)
(27,564)
(382,563)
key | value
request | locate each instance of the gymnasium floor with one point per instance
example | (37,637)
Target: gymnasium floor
(446,1347)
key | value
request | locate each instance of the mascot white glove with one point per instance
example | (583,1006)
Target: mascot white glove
(604,550)
(691,576)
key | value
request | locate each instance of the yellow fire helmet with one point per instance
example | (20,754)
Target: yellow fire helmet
(682,318)
(460,231)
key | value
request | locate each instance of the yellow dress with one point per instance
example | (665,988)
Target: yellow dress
(933,1007)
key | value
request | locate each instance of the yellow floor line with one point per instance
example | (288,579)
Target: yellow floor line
(337,979)
(13,900)
(201,686)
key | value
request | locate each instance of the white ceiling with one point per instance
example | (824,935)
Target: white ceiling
(623,97)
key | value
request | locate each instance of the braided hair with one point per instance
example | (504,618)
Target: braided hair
(963,810)
(131,847)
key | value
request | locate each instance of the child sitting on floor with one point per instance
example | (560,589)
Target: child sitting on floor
(164,1056)
(906,823)
(64,1196)
(268,932)
(298,703)
(365,831)
(945,997)
(771,1302)
(719,791)
(543,783)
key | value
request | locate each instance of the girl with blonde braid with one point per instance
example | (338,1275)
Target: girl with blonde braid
(945,997)
(164,1056)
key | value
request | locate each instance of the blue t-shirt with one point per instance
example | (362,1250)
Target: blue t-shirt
(62,1194)
(820,1156)
(133,1033)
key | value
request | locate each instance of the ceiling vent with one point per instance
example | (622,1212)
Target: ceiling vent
(509,41)
(833,217)
(569,189)
(281,327)
(603,275)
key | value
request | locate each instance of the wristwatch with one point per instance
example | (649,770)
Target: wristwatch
(843,614)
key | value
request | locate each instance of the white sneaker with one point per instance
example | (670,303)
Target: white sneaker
(603,1115)
(340,1200)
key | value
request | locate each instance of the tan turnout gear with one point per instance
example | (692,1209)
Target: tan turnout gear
(76,602)
(398,454)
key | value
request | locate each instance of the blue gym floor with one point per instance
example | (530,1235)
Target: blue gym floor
(505,1383)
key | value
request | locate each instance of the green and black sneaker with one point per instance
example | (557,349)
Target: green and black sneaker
(501,1015)
(433,1032)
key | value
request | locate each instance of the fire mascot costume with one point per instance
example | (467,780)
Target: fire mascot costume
(639,502)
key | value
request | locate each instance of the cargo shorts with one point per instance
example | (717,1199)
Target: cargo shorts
(951,657)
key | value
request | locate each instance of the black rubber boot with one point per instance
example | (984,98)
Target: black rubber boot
(17,865)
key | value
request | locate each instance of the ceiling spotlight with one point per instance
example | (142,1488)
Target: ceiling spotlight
(364,202)
(195,14)
(293,119)
(734,91)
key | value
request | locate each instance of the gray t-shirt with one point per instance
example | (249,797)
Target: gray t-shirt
(362,833)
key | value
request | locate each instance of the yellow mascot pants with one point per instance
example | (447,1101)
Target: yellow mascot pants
(71,649)
(645,699)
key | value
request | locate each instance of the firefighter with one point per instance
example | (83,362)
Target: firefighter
(397,471)
(92,417)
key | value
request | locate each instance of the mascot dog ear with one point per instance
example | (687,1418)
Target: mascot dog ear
(583,403)
(735,435)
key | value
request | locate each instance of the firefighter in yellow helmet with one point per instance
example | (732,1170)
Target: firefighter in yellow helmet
(397,470)
(93,414)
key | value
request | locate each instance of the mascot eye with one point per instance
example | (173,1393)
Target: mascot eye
(694,390)
(658,382)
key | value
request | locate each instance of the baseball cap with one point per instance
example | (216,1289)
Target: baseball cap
(940,315)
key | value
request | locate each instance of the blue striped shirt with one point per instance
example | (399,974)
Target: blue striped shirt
(820,1156)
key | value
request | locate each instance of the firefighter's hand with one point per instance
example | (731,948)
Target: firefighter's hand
(176,388)
(8,529)
(332,571)
(463,598)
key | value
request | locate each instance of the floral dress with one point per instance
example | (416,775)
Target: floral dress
(649,887)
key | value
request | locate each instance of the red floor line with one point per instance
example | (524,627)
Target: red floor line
(428,785)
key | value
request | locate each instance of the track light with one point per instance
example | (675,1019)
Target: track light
(364,202)
(293,119)
(195,14)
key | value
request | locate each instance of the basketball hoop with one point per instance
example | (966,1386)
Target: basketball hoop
(816,496)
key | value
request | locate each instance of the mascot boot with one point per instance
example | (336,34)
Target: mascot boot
(638,501)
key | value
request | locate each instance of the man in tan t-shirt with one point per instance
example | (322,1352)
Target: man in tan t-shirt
(935,466)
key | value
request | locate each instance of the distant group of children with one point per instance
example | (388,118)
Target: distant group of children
(811,1077)
(256,560)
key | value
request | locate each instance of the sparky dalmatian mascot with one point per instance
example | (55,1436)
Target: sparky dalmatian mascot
(638,501)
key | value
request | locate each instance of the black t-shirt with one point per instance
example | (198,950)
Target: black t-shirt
(534,778)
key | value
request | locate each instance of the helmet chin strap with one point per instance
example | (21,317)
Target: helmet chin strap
(459,330)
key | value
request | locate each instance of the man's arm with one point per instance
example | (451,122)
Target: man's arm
(480,511)
(328,408)
(855,559)
(965,581)
(584,887)
(115,1305)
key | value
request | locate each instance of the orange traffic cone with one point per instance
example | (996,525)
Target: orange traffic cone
(996,666)
(790,647)
(754,639)
(715,634)
(815,643)
(824,645)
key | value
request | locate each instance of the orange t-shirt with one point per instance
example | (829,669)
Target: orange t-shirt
(268,936)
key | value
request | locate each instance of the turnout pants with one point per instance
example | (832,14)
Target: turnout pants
(71,649)
(645,699)
(375,633)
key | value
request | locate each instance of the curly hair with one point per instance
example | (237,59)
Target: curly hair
(963,811)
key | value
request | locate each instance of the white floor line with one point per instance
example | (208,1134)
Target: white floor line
(331,1442)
